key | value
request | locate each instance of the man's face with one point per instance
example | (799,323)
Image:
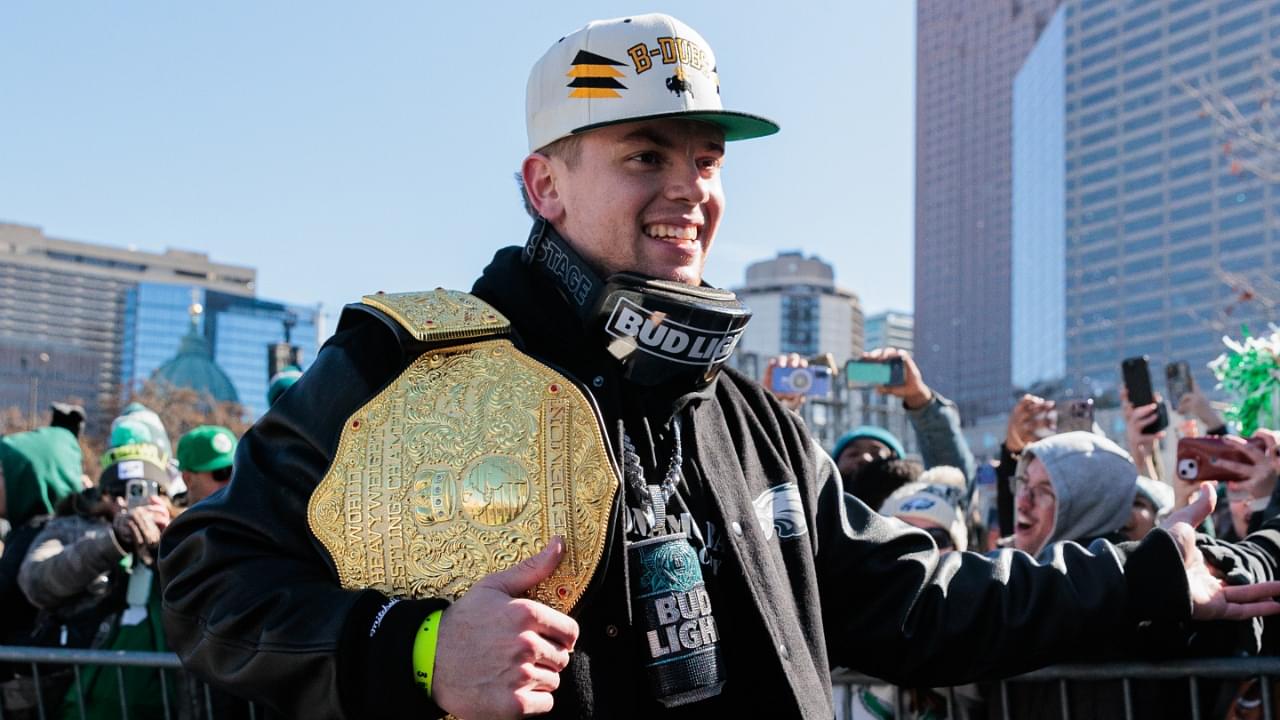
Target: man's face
(858,454)
(200,485)
(1035,503)
(1142,519)
(643,197)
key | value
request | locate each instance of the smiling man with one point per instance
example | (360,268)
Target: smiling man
(550,496)
(1073,486)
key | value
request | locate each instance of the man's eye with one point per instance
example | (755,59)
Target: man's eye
(647,158)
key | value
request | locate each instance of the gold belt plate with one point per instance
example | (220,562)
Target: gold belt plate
(469,462)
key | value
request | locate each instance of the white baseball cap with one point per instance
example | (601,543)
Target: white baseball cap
(631,68)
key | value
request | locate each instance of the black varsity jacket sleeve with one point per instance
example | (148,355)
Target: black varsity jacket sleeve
(252,601)
(893,608)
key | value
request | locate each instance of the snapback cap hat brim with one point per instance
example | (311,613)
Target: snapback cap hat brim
(736,125)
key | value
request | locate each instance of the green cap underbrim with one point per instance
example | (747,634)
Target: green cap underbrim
(736,125)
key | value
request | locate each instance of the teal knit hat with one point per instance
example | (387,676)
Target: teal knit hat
(282,381)
(873,432)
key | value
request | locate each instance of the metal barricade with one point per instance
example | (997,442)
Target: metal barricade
(846,683)
(167,665)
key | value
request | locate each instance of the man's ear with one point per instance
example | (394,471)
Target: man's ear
(539,174)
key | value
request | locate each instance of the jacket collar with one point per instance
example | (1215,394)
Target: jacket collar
(547,328)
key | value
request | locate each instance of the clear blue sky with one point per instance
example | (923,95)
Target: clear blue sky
(343,148)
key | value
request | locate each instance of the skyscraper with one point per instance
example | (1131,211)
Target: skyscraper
(966,57)
(1157,229)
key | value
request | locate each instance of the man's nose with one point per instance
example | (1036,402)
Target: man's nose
(687,184)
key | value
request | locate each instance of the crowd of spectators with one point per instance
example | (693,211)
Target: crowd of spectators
(77,567)
(78,563)
(1053,486)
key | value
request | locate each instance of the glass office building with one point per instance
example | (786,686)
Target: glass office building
(1162,229)
(967,54)
(1037,279)
(239,330)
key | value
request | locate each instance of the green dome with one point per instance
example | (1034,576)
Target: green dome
(193,367)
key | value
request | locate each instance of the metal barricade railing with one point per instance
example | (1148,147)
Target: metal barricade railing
(845,683)
(166,664)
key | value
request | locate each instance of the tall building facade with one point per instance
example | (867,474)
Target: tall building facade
(891,328)
(1160,229)
(796,307)
(966,56)
(69,312)
(238,330)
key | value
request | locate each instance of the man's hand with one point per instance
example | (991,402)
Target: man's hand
(138,529)
(499,655)
(1028,422)
(791,401)
(1210,599)
(914,393)
(1201,505)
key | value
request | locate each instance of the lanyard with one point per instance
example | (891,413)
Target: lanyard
(654,496)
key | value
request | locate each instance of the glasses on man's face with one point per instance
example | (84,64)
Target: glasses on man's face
(1038,494)
(941,538)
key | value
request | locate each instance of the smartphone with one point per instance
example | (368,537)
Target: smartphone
(811,381)
(1076,415)
(1137,381)
(138,492)
(1198,458)
(859,373)
(1178,381)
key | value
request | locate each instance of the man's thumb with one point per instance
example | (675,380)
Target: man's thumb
(516,580)
(1195,513)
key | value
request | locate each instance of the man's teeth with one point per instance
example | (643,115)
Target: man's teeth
(680,232)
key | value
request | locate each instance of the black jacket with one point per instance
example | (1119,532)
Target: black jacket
(253,603)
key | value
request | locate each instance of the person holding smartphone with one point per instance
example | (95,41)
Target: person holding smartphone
(935,419)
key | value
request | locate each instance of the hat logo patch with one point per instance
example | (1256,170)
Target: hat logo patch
(917,504)
(677,84)
(594,77)
(131,470)
(222,443)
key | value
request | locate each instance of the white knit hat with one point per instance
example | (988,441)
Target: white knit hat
(921,501)
(633,68)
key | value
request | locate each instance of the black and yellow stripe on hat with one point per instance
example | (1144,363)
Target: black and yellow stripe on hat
(593,76)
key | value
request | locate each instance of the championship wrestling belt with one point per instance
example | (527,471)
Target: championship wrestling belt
(467,463)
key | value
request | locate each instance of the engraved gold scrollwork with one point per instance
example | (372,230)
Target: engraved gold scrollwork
(466,464)
(440,314)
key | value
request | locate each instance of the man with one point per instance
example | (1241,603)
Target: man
(1073,486)
(205,455)
(89,572)
(710,561)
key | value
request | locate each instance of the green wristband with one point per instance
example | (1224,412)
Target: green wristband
(424,651)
